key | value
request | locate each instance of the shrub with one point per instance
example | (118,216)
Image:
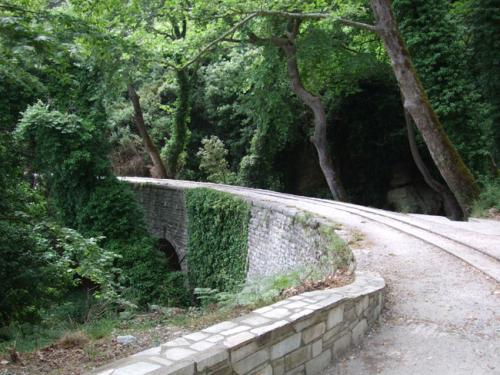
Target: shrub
(77,339)
(70,154)
(213,161)
(489,198)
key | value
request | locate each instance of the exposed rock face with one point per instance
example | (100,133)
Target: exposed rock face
(410,195)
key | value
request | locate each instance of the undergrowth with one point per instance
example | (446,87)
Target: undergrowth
(488,199)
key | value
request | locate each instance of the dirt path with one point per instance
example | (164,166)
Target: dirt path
(442,316)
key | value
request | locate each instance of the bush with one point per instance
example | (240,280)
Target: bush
(111,211)
(489,198)
(213,161)
(70,154)
(217,239)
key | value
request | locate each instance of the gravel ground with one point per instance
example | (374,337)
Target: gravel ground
(441,317)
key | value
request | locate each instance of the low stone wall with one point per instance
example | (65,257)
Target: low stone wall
(302,334)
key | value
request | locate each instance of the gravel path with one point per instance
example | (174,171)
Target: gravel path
(442,316)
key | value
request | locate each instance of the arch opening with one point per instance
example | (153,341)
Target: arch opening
(166,248)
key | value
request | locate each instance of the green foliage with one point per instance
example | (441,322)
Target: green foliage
(439,56)
(262,291)
(337,254)
(174,151)
(213,161)
(110,211)
(481,28)
(42,261)
(488,199)
(217,239)
(67,153)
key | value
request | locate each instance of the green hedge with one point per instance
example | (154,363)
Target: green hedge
(217,239)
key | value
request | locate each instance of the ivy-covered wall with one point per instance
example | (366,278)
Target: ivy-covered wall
(223,240)
(217,245)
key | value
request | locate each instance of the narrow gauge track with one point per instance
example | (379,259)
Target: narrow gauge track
(478,258)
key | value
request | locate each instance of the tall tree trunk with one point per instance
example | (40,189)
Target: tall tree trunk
(319,138)
(448,161)
(177,143)
(141,127)
(451,207)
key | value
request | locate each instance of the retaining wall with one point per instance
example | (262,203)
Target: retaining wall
(299,335)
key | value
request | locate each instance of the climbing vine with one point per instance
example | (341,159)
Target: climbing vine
(217,239)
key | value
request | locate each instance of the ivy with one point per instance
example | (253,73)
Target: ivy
(217,239)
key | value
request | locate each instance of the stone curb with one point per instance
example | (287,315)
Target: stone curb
(303,333)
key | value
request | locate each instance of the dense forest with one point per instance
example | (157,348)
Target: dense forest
(394,105)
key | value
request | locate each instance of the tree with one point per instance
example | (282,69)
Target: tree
(439,53)
(141,127)
(448,161)
(319,139)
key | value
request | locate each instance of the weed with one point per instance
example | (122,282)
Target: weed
(76,339)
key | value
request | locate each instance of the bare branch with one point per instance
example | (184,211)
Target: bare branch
(162,33)
(213,43)
(315,15)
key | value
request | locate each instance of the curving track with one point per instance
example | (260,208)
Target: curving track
(445,235)
(442,315)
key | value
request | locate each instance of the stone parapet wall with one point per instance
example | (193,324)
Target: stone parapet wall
(283,239)
(280,238)
(300,335)
(166,216)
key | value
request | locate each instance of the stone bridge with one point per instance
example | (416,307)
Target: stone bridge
(443,278)
(281,237)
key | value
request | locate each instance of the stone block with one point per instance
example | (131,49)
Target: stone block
(176,354)
(362,305)
(197,336)
(278,366)
(224,326)
(137,368)
(304,323)
(255,320)
(202,345)
(312,333)
(269,328)
(277,313)
(285,346)
(265,370)
(298,357)
(301,370)
(330,335)
(341,344)
(319,363)
(317,348)
(358,331)
(244,351)
(238,339)
(160,360)
(251,362)
(234,330)
(211,358)
(335,316)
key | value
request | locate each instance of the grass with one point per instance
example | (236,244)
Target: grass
(66,324)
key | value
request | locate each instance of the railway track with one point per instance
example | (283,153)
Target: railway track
(487,260)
